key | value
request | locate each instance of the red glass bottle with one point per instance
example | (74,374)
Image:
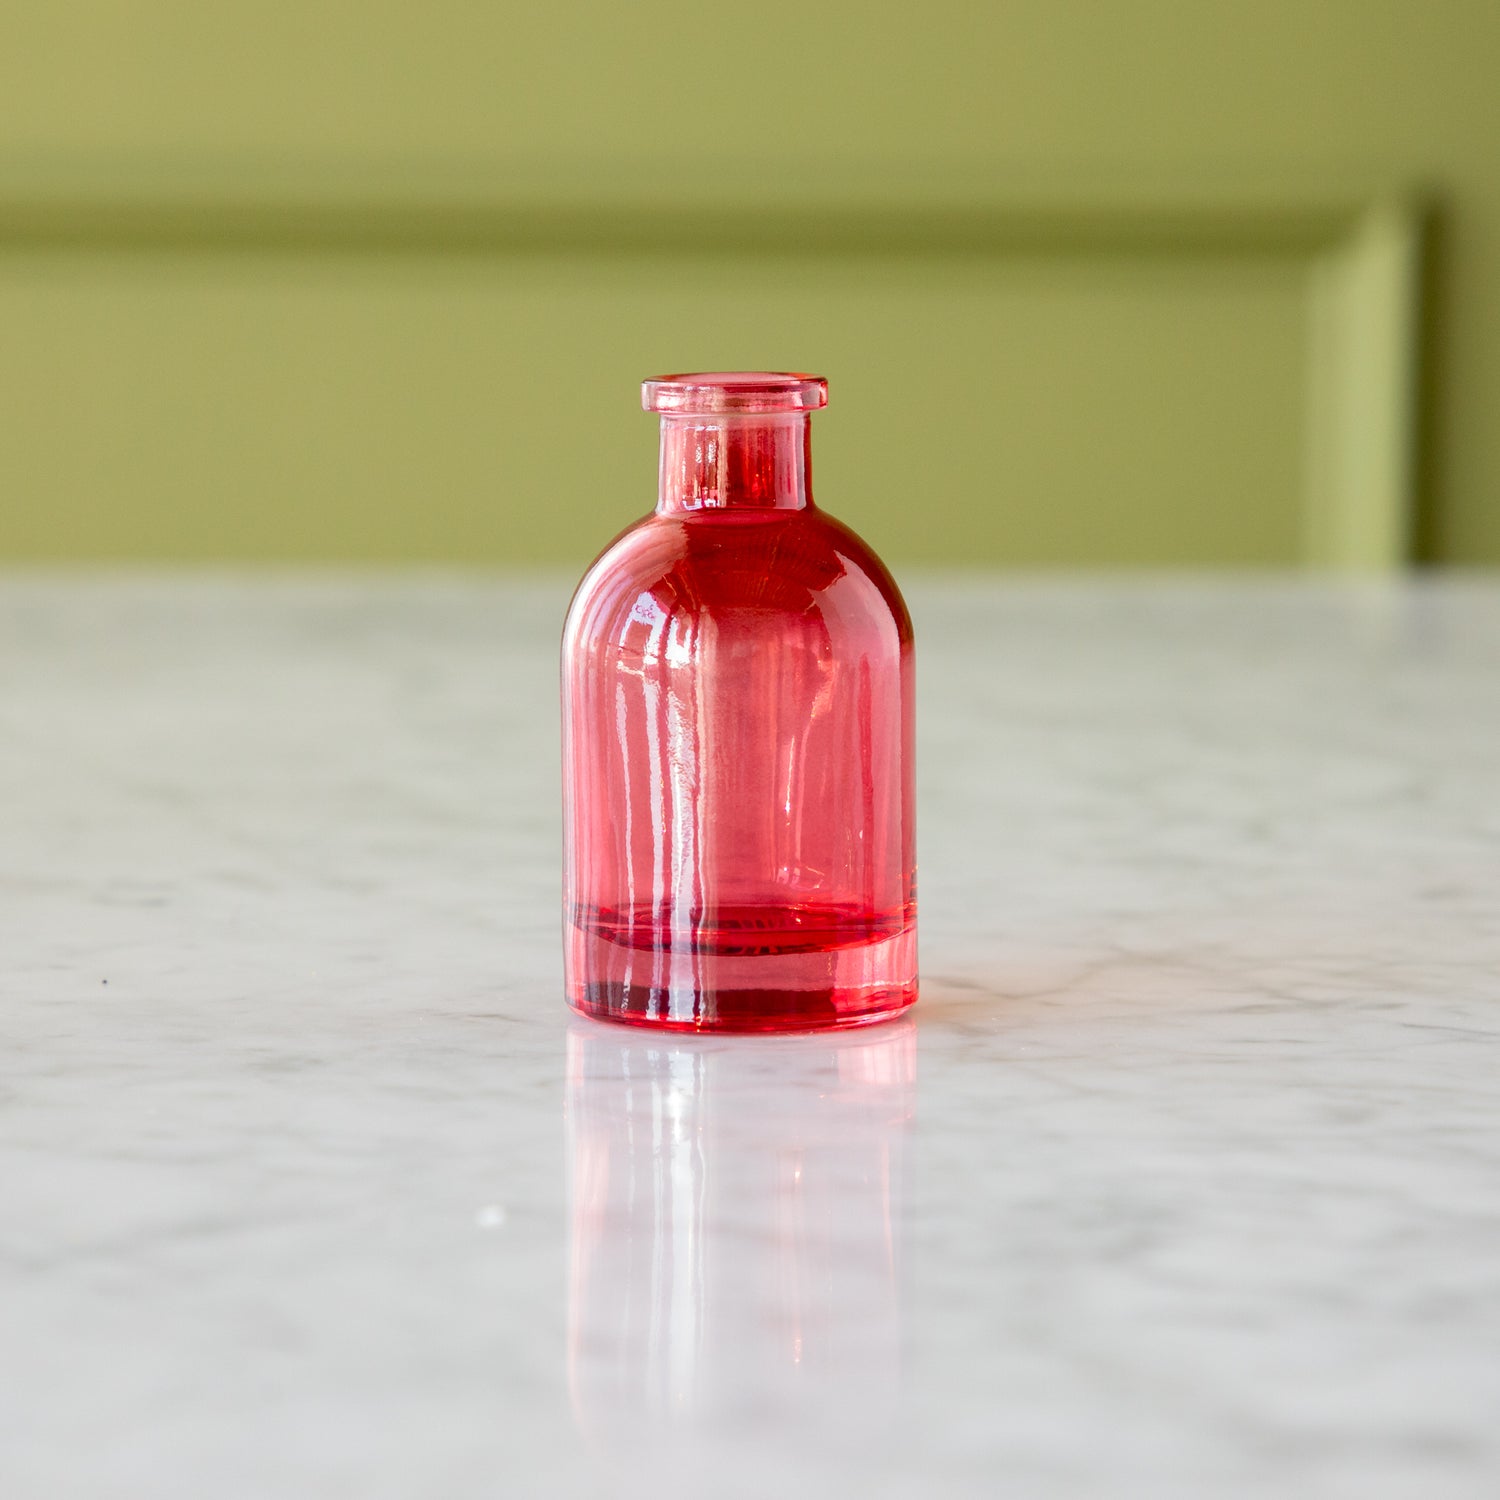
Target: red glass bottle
(738,739)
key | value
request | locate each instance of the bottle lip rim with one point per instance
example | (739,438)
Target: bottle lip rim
(713,391)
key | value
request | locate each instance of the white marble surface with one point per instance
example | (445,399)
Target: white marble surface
(1185,1180)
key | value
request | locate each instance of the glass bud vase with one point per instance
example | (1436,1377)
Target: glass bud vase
(737,680)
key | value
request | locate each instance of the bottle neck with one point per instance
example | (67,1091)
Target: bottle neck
(746,461)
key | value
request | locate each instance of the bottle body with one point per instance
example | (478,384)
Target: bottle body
(738,774)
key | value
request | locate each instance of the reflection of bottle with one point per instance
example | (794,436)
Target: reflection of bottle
(737,710)
(735,1228)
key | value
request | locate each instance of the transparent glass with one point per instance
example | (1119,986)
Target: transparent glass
(738,740)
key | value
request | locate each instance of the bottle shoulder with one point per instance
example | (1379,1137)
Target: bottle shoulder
(790,562)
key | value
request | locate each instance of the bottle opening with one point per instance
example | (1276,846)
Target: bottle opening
(735,391)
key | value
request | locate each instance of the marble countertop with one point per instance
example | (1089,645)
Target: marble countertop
(1183,1180)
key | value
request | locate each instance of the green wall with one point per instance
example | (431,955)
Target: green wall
(192,368)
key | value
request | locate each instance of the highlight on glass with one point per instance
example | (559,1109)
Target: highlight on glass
(738,730)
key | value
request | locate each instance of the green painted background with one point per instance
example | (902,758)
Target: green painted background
(180,393)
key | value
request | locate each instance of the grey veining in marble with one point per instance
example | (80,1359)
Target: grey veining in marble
(1184,1179)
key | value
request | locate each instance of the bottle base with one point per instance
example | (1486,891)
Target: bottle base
(759,970)
(746,1011)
